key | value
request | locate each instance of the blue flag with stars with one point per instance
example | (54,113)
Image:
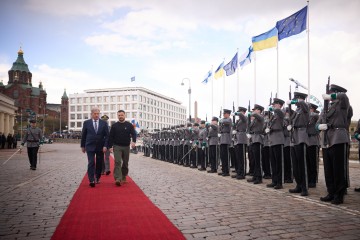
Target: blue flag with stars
(292,25)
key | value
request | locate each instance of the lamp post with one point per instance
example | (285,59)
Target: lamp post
(189,91)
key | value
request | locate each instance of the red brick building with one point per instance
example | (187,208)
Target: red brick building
(29,98)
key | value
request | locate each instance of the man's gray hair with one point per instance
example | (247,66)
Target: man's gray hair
(95,109)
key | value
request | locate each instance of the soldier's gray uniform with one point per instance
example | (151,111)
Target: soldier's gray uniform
(225,141)
(257,141)
(203,151)
(32,138)
(299,122)
(276,141)
(313,149)
(213,141)
(335,158)
(240,147)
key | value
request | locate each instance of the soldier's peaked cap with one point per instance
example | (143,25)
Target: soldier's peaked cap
(32,121)
(259,107)
(196,124)
(227,111)
(242,109)
(182,125)
(300,95)
(279,101)
(214,119)
(105,117)
(202,121)
(189,124)
(313,106)
(337,88)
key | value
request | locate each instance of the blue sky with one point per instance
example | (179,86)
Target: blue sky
(87,44)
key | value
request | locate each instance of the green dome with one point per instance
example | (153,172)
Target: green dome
(19,64)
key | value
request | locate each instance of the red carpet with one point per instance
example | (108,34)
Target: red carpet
(111,212)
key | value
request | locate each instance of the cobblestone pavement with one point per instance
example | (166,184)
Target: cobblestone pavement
(200,204)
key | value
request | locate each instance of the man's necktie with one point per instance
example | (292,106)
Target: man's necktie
(96,127)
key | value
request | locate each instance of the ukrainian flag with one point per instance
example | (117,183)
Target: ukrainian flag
(265,40)
(219,71)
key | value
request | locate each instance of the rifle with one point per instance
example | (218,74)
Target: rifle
(290,113)
(326,108)
(220,113)
(249,118)
(234,114)
(269,113)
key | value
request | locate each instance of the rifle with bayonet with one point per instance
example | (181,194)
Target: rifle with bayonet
(326,109)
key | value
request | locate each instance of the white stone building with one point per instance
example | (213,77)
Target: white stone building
(150,109)
(7,114)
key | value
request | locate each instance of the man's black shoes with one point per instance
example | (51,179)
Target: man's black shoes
(92,184)
(327,198)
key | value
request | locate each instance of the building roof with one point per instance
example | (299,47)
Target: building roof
(19,64)
(64,96)
(133,89)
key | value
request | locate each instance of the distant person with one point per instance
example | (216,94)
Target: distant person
(121,133)
(9,141)
(94,141)
(2,140)
(106,162)
(14,141)
(32,138)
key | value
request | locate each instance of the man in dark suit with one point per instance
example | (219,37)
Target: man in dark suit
(94,141)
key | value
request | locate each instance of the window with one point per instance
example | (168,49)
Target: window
(16,93)
(72,124)
(106,108)
(113,98)
(79,108)
(78,100)
(119,106)
(72,100)
(127,106)
(86,116)
(113,107)
(134,106)
(106,99)
(72,108)
(72,116)
(127,98)
(92,99)
(120,98)
(99,99)
(86,99)
(78,116)
(113,115)
(86,108)
(78,124)
(134,97)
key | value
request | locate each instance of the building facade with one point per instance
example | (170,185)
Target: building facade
(7,114)
(150,109)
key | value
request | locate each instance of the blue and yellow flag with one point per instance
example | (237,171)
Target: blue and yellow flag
(208,75)
(219,71)
(292,25)
(268,39)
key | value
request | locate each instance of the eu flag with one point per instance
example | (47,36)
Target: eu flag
(231,67)
(292,25)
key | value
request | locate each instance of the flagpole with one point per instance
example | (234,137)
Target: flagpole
(223,86)
(308,43)
(212,92)
(237,80)
(277,70)
(254,77)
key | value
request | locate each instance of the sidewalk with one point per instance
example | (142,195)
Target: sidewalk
(200,204)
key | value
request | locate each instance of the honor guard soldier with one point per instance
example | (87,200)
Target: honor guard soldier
(106,161)
(225,141)
(187,144)
(313,147)
(241,142)
(334,125)
(288,172)
(176,144)
(265,154)
(33,139)
(213,144)
(276,141)
(194,146)
(203,149)
(171,144)
(181,132)
(256,138)
(299,121)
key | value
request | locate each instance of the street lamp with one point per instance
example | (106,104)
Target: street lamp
(189,91)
